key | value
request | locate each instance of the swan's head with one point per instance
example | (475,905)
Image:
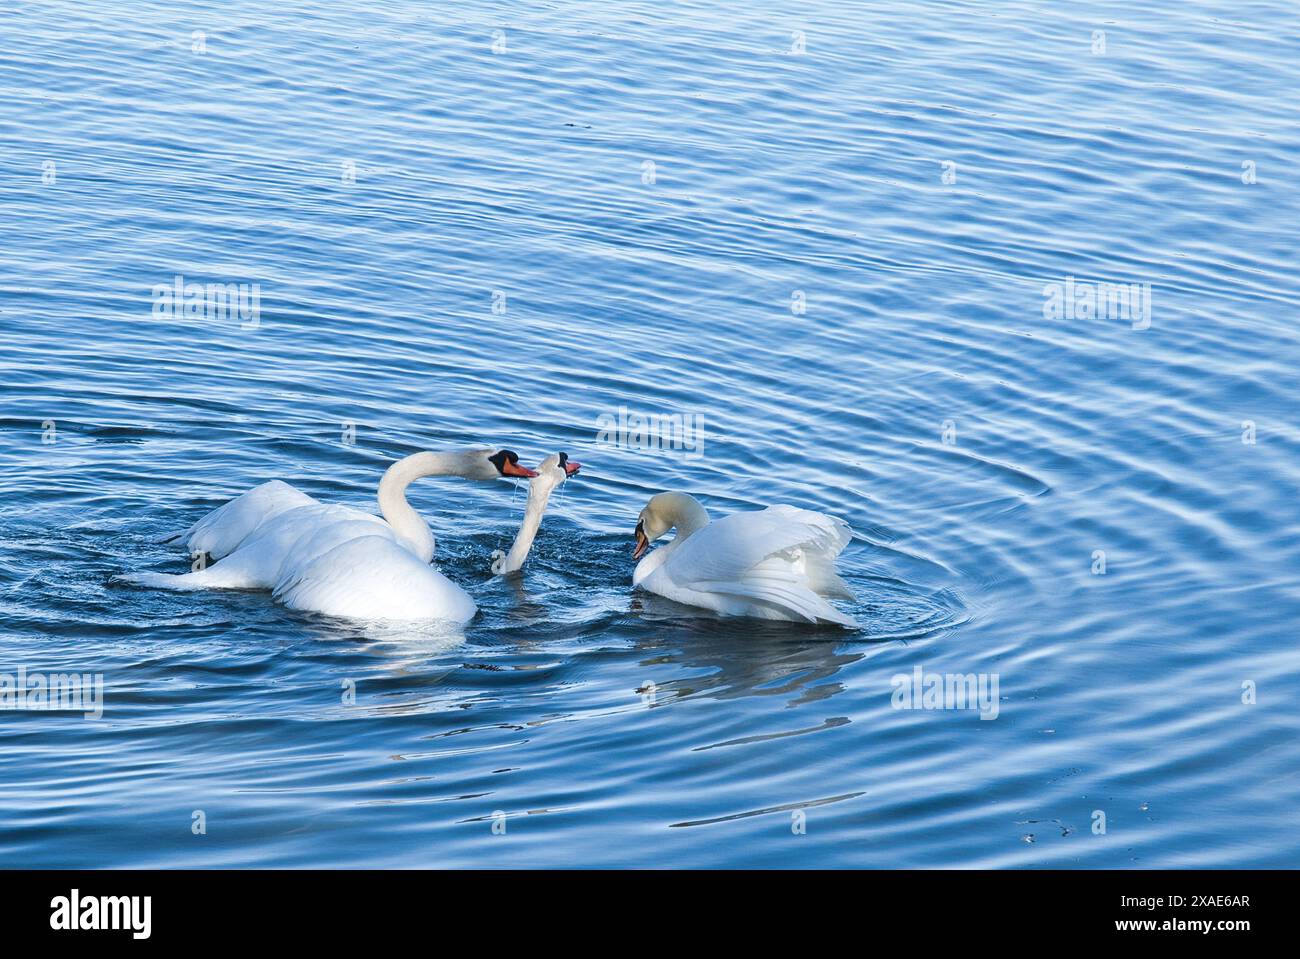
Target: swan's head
(552,471)
(664,512)
(569,466)
(503,463)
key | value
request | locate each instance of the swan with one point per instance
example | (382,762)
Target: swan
(777,563)
(336,559)
(356,574)
(553,470)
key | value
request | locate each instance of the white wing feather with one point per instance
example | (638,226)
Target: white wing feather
(777,563)
(220,532)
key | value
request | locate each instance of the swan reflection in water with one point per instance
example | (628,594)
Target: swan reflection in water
(745,658)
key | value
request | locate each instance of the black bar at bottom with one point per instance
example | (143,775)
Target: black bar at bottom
(334,908)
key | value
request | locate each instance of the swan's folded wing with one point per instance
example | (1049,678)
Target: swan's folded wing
(220,532)
(774,584)
(728,548)
(782,557)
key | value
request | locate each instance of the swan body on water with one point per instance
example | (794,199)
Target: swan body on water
(336,559)
(777,563)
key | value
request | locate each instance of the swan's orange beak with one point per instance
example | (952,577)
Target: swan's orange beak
(642,544)
(514,469)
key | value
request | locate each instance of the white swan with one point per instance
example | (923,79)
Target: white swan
(553,470)
(777,563)
(336,559)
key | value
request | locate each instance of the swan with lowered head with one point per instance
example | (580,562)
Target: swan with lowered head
(553,470)
(777,563)
(336,559)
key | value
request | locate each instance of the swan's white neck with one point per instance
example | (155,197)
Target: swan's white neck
(409,525)
(687,516)
(539,492)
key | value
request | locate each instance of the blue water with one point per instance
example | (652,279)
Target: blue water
(456,245)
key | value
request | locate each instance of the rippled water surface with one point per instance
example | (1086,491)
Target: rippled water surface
(826,232)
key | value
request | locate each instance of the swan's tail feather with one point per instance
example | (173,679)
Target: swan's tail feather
(212,578)
(834,617)
(159,580)
(824,580)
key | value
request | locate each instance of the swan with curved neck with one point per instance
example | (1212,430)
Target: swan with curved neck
(337,559)
(408,525)
(555,469)
(777,563)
